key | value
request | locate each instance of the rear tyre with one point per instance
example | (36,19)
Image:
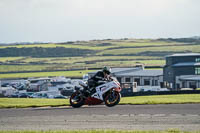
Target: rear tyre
(76,100)
(112,98)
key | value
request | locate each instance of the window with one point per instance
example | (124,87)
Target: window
(192,85)
(197,59)
(156,82)
(184,84)
(137,80)
(146,82)
(197,70)
(127,80)
(126,85)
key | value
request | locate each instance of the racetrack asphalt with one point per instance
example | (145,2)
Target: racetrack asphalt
(184,117)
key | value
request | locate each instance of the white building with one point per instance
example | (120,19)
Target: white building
(138,78)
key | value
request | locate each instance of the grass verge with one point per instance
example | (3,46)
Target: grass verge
(74,74)
(103,131)
(31,102)
(158,99)
(162,99)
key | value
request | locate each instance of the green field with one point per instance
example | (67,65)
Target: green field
(158,99)
(28,102)
(114,53)
(72,74)
(162,99)
(60,63)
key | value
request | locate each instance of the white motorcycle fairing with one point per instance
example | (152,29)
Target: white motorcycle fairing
(102,89)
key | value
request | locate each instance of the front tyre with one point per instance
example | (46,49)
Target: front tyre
(76,100)
(112,98)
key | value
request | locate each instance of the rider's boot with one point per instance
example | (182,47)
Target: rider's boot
(86,91)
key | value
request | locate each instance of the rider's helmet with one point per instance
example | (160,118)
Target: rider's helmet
(107,70)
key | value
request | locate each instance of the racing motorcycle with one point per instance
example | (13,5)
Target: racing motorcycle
(108,92)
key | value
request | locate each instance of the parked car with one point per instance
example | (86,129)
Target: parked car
(29,94)
(5,85)
(39,95)
(19,95)
(60,97)
(18,86)
(23,95)
(14,95)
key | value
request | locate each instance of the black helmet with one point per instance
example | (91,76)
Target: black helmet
(107,70)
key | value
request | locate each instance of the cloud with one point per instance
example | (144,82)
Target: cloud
(62,20)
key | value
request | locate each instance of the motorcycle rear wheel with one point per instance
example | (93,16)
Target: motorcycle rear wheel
(76,100)
(112,98)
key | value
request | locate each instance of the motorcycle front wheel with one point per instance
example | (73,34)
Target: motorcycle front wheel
(112,98)
(76,100)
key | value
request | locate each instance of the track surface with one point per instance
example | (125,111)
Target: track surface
(122,117)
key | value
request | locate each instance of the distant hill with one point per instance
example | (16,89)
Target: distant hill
(109,47)
(195,39)
(31,57)
(44,52)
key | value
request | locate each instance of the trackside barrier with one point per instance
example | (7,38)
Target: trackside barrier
(128,94)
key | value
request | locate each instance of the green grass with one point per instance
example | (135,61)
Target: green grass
(142,51)
(8,59)
(131,63)
(72,74)
(64,63)
(51,45)
(123,51)
(162,99)
(158,99)
(60,63)
(29,102)
(148,43)
(75,74)
(70,60)
(64,60)
(11,68)
(104,131)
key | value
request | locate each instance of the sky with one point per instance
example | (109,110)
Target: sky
(82,20)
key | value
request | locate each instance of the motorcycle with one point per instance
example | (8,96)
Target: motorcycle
(108,92)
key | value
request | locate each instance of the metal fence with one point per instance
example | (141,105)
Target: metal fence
(127,94)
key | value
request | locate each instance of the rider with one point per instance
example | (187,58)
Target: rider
(99,76)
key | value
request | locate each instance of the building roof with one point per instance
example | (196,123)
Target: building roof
(184,54)
(116,70)
(186,64)
(137,71)
(190,77)
(120,70)
(142,73)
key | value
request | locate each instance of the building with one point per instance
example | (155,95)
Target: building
(188,81)
(137,78)
(182,71)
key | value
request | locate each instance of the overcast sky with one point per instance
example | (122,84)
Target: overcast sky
(71,20)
